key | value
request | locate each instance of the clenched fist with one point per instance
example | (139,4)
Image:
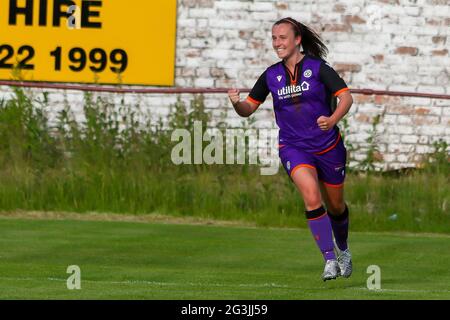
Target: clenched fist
(234,95)
(325,123)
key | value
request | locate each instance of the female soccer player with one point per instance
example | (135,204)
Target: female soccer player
(303,88)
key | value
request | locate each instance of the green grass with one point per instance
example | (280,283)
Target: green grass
(123,260)
(228,194)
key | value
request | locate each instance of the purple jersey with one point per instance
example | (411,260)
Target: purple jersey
(299,101)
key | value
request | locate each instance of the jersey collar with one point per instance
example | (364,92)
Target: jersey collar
(294,77)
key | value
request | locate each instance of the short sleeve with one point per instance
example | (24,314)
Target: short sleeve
(334,83)
(260,90)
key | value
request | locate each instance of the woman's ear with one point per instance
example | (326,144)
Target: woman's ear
(298,41)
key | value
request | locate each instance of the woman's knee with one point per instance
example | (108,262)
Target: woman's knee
(312,199)
(307,183)
(335,207)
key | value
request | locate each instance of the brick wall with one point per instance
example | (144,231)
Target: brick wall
(385,44)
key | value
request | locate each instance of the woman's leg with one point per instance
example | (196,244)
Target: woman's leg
(339,218)
(331,173)
(300,166)
(306,181)
(337,211)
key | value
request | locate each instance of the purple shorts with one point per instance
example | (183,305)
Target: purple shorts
(330,163)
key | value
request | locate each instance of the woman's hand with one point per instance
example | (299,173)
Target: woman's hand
(243,108)
(325,123)
(234,95)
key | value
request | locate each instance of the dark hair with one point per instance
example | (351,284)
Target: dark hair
(311,42)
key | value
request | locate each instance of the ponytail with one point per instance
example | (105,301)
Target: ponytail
(311,42)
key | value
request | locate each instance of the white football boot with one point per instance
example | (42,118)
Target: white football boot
(331,270)
(344,259)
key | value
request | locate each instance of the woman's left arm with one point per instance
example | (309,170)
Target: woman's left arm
(345,102)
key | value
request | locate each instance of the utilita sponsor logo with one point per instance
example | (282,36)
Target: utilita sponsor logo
(293,89)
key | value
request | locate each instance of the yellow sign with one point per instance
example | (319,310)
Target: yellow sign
(88,41)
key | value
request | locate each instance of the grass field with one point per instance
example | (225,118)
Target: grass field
(131,260)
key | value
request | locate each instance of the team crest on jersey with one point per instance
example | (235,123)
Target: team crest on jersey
(288,165)
(307,73)
(279,78)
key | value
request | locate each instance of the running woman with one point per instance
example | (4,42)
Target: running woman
(305,90)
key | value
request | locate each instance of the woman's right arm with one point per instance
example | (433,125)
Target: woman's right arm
(243,108)
(254,100)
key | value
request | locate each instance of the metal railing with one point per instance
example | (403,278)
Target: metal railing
(174,90)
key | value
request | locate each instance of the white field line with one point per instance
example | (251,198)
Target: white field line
(402,290)
(193,284)
(223,285)
(154,283)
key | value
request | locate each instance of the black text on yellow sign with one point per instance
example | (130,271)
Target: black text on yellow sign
(88,41)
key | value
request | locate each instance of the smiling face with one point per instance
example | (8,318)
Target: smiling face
(284,41)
